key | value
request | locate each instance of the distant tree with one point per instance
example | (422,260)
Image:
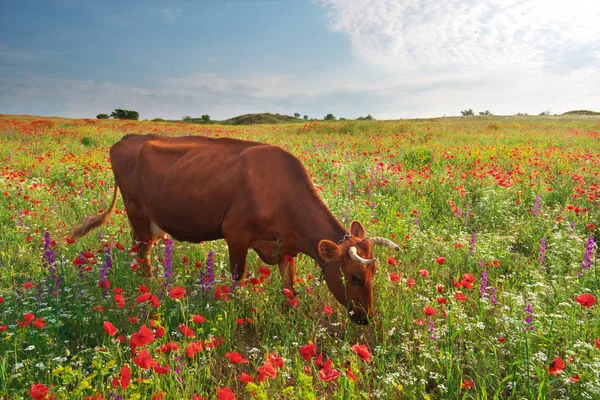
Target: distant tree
(369,117)
(467,112)
(342,119)
(296,115)
(547,112)
(125,114)
(329,117)
(486,112)
(306,117)
(205,118)
(186,118)
(102,116)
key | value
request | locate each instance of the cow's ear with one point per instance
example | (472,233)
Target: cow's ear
(357,230)
(329,251)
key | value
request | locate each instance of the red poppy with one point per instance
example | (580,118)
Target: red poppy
(467,384)
(198,319)
(225,394)
(556,366)
(186,331)
(424,272)
(467,281)
(586,300)
(1,299)
(168,347)
(266,370)
(410,282)
(177,292)
(239,321)
(288,292)
(391,260)
(39,323)
(110,328)
(308,351)
(328,310)
(125,376)
(441,300)
(429,311)
(598,343)
(293,302)
(394,277)
(440,288)
(193,348)
(235,357)
(144,360)
(3,328)
(38,391)
(575,378)
(496,263)
(245,378)
(143,337)
(28,285)
(362,351)
(143,297)
(329,374)
(161,370)
(440,260)
(502,339)
(350,375)
(154,301)
(29,317)
(459,296)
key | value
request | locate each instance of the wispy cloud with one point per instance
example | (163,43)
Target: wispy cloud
(172,13)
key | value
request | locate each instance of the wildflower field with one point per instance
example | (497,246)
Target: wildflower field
(492,295)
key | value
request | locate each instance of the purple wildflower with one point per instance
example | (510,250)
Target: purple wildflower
(589,254)
(483,286)
(106,266)
(208,279)
(431,329)
(50,264)
(542,257)
(536,206)
(473,243)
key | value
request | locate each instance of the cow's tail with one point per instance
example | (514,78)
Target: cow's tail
(92,223)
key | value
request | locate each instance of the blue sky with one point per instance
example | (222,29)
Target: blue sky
(389,58)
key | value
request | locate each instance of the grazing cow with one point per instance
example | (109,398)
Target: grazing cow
(253,195)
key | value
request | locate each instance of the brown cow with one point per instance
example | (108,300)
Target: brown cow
(253,195)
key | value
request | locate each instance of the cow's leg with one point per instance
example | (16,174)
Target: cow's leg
(288,274)
(237,260)
(143,231)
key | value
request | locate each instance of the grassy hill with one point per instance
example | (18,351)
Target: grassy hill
(250,119)
(581,112)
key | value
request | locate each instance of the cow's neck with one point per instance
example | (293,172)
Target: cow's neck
(321,225)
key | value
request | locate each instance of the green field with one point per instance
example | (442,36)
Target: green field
(490,296)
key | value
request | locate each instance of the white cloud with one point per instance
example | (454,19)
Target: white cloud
(504,55)
(172,13)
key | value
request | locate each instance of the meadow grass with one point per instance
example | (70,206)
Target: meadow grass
(497,222)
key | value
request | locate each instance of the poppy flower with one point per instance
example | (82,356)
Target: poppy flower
(410,282)
(143,297)
(288,292)
(429,311)
(391,261)
(394,277)
(329,374)
(142,337)
(3,328)
(125,376)
(467,384)
(235,357)
(161,370)
(245,378)
(328,310)
(440,288)
(556,366)
(28,285)
(586,300)
(109,328)
(266,370)
(424,272)
(350,375)
(502,339)
(459,296)
(144,360)
(362,351)
(38,391)
(193,348)
(154,301)
(225,394)
(496,263)
(440,260)
(1,299)
(441,300)
(198,319)
(186,331)
(39,323)
(598,343)
(575,378)
(177,292)
(308,351)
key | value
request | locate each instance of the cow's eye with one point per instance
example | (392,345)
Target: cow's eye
(356,279)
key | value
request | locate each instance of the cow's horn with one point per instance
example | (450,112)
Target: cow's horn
(354,255)
(385,242)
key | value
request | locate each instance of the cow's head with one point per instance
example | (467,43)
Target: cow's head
(350,270)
